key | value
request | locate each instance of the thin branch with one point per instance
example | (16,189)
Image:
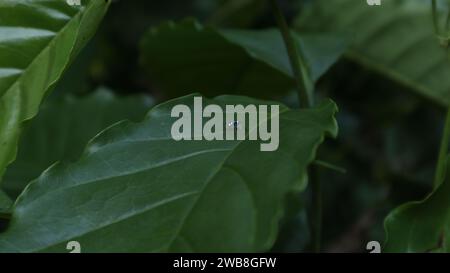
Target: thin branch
(434,9)
(441,166)
(298,65)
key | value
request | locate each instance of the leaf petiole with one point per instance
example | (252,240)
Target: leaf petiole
(300,69)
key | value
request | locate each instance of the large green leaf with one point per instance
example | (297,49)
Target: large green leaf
(395,39)
(62,129)
(38,40)
(421,226)
(188,57)
(135,189)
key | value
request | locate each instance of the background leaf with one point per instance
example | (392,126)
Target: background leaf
(188,57)
(38,40)
(421,226)
(395,39)
(137,190)
(62,129)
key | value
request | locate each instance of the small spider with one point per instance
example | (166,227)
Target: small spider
(234,124)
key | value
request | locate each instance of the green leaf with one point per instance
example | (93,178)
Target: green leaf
(62,129)
(188,57)
(135,189)
(38,40)
(421,226)
(395,39)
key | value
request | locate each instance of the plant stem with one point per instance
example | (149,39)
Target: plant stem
(316,215)
(443,151)
(447,22)
(298,65)
(329,166)
(441,165)
(435,17)
(305,90)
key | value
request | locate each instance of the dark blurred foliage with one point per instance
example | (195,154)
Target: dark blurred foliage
(112,57)
(388,139)
(388,142)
